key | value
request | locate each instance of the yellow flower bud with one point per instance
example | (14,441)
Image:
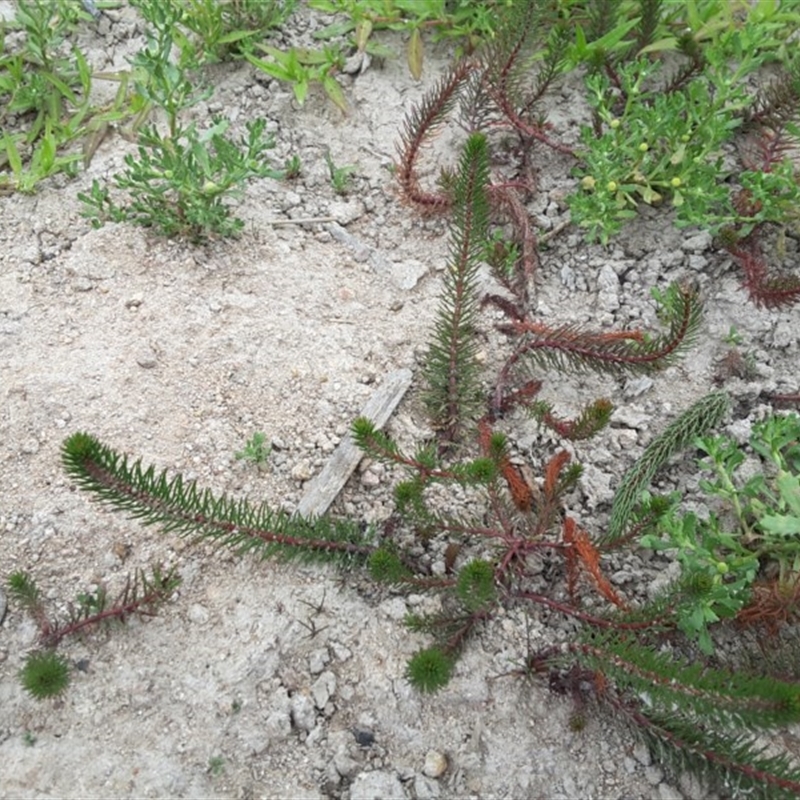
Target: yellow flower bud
(675,182)
(611,186)
(588,183)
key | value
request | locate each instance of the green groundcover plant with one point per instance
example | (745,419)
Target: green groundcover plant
(695,715)
(181,181)
(45,96)
(694,108)
(647,662)
(180,184)
(742,555)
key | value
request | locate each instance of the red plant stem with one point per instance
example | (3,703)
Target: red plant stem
(423,127)
(106,478)
(589,618)
(54,636)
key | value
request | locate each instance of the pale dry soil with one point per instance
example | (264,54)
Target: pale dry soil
(261,679)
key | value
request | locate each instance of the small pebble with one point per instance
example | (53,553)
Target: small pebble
(304,715)
(435,764)
(301,471)
(323,688)
(147,359)
(425,788)
(377,785)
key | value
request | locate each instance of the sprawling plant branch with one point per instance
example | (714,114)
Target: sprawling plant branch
(179,507)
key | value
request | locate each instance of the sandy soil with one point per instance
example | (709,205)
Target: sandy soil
(262,679)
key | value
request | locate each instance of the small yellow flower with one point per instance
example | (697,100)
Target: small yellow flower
(588,183)
(611,186)
(722,567)
(675,182)
(644,147)
(614,124)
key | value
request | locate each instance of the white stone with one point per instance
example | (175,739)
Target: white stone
(322,690)
(435,764)
(304,715)
(377,785)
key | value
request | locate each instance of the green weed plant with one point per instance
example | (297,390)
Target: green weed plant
(181,185)
(180,182)
(302,67)
(45,97)
(222,31)
(256,449)
(750,529)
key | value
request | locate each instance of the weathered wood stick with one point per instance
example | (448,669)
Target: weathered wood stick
(323,488)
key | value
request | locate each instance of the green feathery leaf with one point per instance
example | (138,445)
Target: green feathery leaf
(182,508)
(24,590)
(593,418)
(698,420)
(429,670)
(421,123)
(45,674)
(732,762)
(451,369)
(475,585)
(385,566)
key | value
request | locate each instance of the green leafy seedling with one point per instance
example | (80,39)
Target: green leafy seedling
(256,449)
(46,87)
(292,168)
(429,670)
(301,67)
(179,184)
(220,31)
(340,176)
(733,336)
(216,766)
(721,560)
(470,20)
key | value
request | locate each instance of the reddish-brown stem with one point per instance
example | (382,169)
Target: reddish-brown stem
(52,637)
(422,125)
(599,622)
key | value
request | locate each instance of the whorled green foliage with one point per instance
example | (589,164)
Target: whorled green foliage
(698,420)
(45,674)
(528,34)
(386,566)
(451,370)
(719,697)
(24,590)
(429,669)
(182,508)
(592,419)
(734,762)
(475,585)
